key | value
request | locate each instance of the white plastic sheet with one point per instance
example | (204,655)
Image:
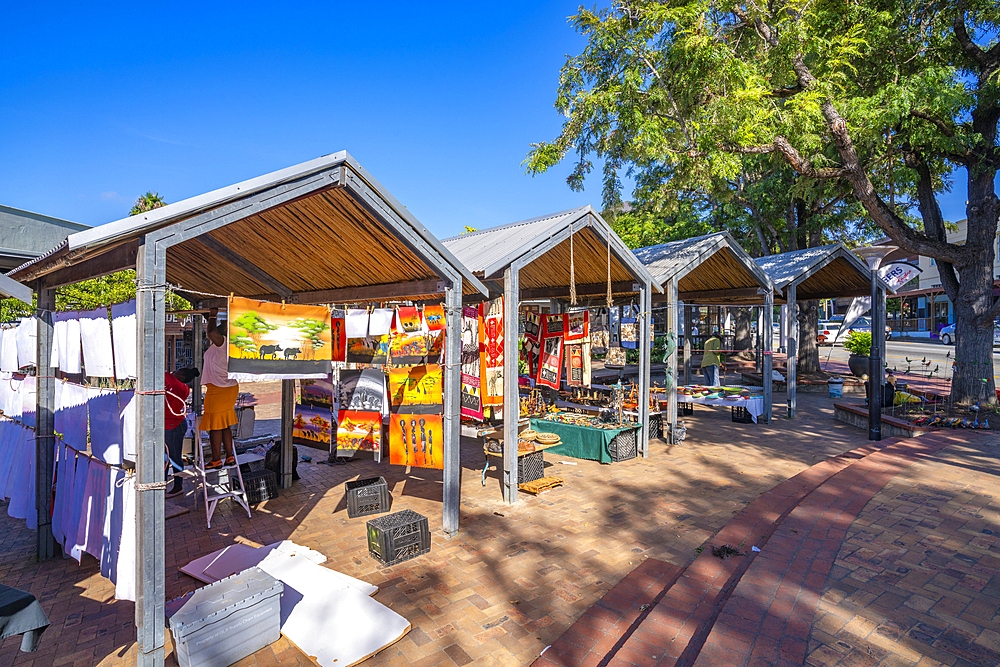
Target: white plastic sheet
(95,335)
(380,321)
(106,432)
(357,323)
(123,332)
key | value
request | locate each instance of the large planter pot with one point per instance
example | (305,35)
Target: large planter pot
(858,363)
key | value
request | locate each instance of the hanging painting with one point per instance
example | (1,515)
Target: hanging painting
(629,330)
(361,391)
(435,346)
(278,340)
(416,389)
(472,400)
(550,362)
(358,430)
(339,335)
(372,350)
(491,337)
(408,349)
(317,393)
(311,427)
(407,320)
(577,325)
(532,325)
(416,440)
(434,317)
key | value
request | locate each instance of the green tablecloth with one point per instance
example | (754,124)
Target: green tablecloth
(580,442)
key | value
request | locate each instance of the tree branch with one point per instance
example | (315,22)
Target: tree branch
(965,41)
(934,120)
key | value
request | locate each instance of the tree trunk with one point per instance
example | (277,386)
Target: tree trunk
(742,339)
(808,326)
(972,381)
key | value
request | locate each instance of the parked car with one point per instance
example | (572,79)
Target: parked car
(864,324)
(948,334)
(826,333)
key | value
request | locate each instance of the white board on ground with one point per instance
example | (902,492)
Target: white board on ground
(335,625)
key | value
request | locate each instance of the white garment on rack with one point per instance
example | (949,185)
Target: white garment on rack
(71,414)
(95,335)
(8,350)
(112,533)
(28,405)
(91,537)
(67,334)
(8,440)
(106,436)
(71,511)
(59,500)
(125,581)
(357,323)
(77,514)
(22,476)
(123,332)
(380,321)
(126,409)
(10,398)
(26,337)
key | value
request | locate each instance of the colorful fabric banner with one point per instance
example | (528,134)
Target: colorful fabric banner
(577,325)
(574,365)
(312,426)
(408,349)
(416,440)
(553,325)
(491,336)
(532,326)
(407,320)
(550,362)
(416,390)
(373,350)
(277,340)
(435,346)
(472,398)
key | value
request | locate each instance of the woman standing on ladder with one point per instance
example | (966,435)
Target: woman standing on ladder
(219,413)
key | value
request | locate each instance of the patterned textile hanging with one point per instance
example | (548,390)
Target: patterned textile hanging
(572,269)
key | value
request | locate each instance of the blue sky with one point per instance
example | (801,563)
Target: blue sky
(439,101)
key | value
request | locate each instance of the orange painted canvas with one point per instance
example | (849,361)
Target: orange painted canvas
(408,349)
(416,440)
(491,351)
(416,389)
(359,430)
(407,319)
(434,316)
(277,339)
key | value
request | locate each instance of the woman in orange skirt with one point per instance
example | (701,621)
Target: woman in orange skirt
(219,411)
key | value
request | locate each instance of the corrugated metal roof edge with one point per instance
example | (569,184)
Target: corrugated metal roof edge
(162,216)
(513,224)
(731,243)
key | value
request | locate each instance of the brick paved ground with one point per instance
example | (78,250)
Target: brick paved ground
(501,591)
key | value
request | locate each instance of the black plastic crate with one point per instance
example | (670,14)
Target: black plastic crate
(656,426)
(685,408)
(367,496)
(625,445)
(260,485)
(741,415)
(530,467)
(397,537)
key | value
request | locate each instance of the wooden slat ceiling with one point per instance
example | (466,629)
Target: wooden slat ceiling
(590,263)
(720,271)
(838,278)
(324,241)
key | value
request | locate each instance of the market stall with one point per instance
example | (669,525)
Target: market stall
(740,400)
(320,232)
(574,260)
(709,270)
(814,273)
(587,437)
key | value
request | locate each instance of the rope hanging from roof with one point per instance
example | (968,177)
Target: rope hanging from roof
(572,269)
(609,270)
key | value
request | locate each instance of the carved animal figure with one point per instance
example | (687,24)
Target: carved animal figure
(292,353)
(269,351)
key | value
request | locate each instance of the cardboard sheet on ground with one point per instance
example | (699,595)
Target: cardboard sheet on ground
(335,624)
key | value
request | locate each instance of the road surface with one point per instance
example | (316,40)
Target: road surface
(897,352)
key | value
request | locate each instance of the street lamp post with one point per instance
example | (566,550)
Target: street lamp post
(874,255)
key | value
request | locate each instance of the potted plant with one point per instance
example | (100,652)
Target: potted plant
(859,344)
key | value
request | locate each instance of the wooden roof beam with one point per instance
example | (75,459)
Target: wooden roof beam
(244,265)
(348,294)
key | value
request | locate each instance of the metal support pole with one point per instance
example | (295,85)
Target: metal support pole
(150,576)
(45,439)
(875,369)
(793,347)
(768,354)
(673,317)
(688,344)
(198,354)
(782,328)
(645,321)
(511,402)
(287,420)
(452,410)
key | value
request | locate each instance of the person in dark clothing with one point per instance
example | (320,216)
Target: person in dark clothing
(177,386)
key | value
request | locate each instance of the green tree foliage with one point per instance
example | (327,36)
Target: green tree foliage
(880,99)
(254,325)
(311,329)
(147,202)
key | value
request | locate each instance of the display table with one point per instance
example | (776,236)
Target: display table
(754,406)
(20,614)
(593,444)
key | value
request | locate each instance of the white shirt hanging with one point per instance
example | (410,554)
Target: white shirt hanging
(95,335)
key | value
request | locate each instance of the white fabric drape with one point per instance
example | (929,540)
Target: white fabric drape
(95,335)
(26,336)
(106,436)
(71,414)
(380,321)
(67,334)
(126,411)
(357,323)
(8,350)
(123,332)
(125,567)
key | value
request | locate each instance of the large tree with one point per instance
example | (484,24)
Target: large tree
(842,91)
